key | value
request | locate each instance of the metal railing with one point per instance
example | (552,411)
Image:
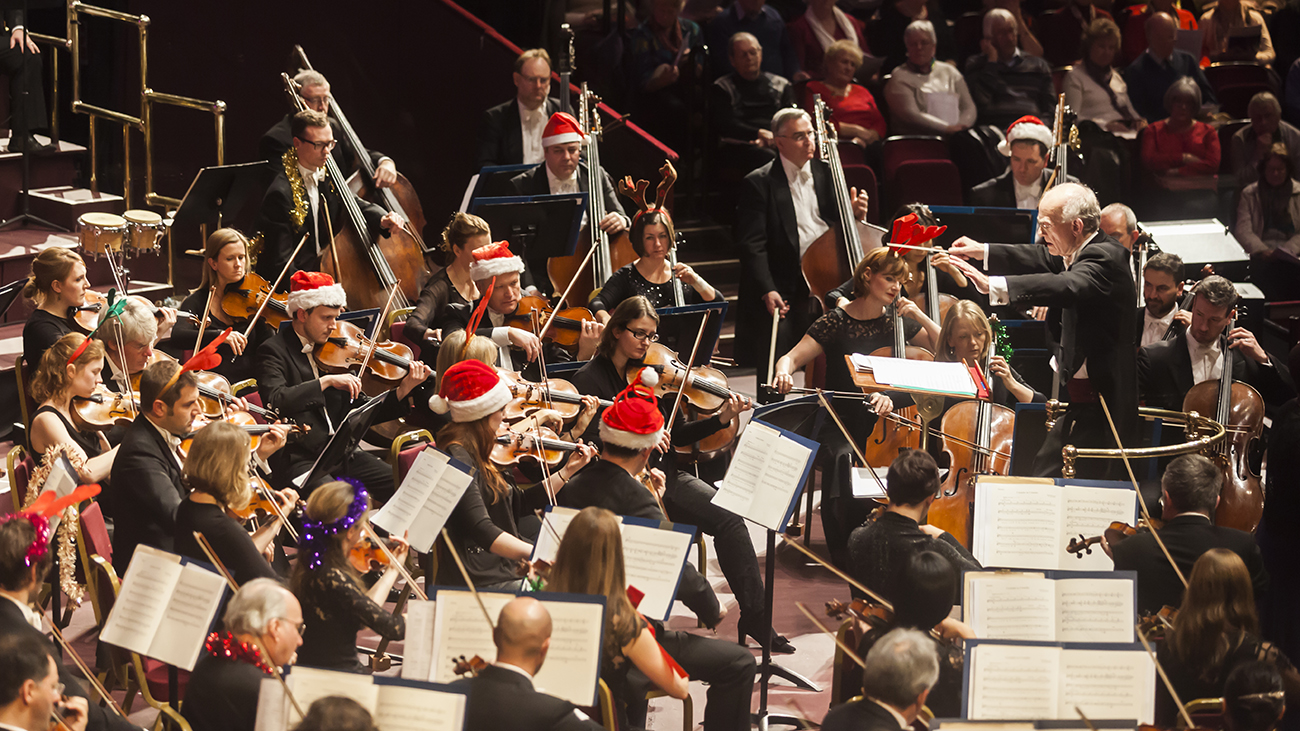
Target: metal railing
(1202,434)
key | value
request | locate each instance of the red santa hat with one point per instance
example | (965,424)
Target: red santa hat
(1028,128)
(470,390)
(494,260)
(634,420)
(314,289)
(562,128)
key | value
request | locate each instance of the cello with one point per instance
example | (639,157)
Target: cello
(891,436)
(374,268)
(1240,409)
(826,264)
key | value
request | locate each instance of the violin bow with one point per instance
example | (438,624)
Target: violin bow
(451,548)
(849,437)
(848,651)
(85,671)
(908,422)
(1164,678)
(271,497)
(1086,721)
(203,324)
(828,565)
(234,587)
(686,378)
(274,286)
(771,349)
(392,560)
(1142,505)
(556,310)
(379,325)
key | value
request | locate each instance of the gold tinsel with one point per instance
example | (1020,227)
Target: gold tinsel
(65,537)
(300,200)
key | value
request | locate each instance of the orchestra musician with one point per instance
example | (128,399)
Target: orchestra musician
(262,628)
(21,62)
(1084,274)
(900,672)
(60,378)
(523,637)
(862,326)
(30,691)
(966,337)
(451,285)
(591,561)
(218,474)
(291,383)
(484,525)
(511,132)
(292,205)
(314,89)
(1167,370)
(1189,494)
(335,601)
(949,278)
(130,340)
(1027,143)
(225,262)
(563,171)
(782,208)
(336,713)
(1162,290)
(1254,697)
(57,282)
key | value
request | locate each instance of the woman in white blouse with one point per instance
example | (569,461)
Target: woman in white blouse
(1095,91)
(927,97)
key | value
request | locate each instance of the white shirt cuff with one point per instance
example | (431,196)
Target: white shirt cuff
(385,159)
(984,260)
(262,464)
(998,294)
(501,336)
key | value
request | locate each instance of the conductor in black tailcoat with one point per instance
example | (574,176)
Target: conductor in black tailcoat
(782,208)
(511,132)
(899,672)
(1085,274)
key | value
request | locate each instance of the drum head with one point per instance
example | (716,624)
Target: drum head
(144,217)
(101,220)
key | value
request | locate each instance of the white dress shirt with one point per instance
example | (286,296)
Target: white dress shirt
(308,347)
(561,185)
(172,440)
(533,122)
(1207,360)
(1154,328)
(1027,195)
(804,194)
(501,336)
(313,193)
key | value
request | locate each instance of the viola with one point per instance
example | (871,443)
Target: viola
(711,446)
(553,393)
(158,356)
(348,346)
(367,556)
(566,326)
(104,409)
(244,298)
(512,447)
(706,388)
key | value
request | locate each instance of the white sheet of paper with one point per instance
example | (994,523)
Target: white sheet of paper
(652,559)
(935,377)
(1095,610)
(1013,681)
(1088,511)
(1013,606)
(147,586)
(1017,525)
(548,540)
(61,481)
(1117,684)
(417,652)
(460,629)
(311,684)
(273,707)
(764,475)
(868,487)
(418,709)
(428,494)
(945,105)
(572,665)
(188,616)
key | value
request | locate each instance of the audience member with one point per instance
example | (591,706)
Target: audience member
(1062,28)
(1027,144)
(765,24)
(887,33)
(896,681)
(511,132)
(743,104)
(1005,82)
(1136,28)
(1151,74)
(853,110)
(821,25)
(1098,94)
(661,51)
(1181,145)
(1025,39)
(1227,38)
(1254,142)
(926,96)
(1268,216)
(1254,697)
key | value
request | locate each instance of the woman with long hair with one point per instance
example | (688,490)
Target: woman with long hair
(335,602)
(1216,629)
(452,285)
(56,383)
(651,275)
(57,282)
(590,561)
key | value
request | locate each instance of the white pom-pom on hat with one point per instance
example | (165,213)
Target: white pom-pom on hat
(648,377)
(439,404)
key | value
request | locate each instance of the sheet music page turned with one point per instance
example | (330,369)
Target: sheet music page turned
(1108,684)
(1010,606)
(417,652)
(1095,610)
(1017,525)
(402,708)
(1013,681)
(763,476)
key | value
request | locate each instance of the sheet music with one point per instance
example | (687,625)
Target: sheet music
(402,708)
(763,476)
(147,586)
(428,494)
(1013,681)
(572,665)
(1011,606)
(188,615)
(1017,525)
(1088,512)
(1117,684)
(417,652)
(943,104)
(547,542)
(653,560)
(1095,610)
(62,480)
(460,629)
(273,707)
(935,377)
(311,684)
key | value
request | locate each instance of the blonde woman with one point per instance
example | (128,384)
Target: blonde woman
(966,337)
(57,282)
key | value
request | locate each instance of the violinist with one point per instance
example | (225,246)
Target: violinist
(129,342)
(225,262)
(291,382)
(1254,698)
(901,670)
(147,477)
(453,284)
(890,541)
(1216,631)
(217,472)
(484,525)
(860,327)
(966,338)
(590,561)
(30,689)
(563,171)
(772,236)
(335,601)
(1189,494)
(1167,370)
(292,205)
(632,327)
(314,89)
(523,637)
(57,282)
(67,371)
(1161,290)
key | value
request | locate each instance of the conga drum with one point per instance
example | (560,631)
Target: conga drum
(100,234)
(144,231)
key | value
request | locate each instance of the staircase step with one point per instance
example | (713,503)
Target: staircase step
(53,168)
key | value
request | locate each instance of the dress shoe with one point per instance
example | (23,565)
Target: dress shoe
(29,143)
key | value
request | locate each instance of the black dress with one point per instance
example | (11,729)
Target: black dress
(437,294)
(1192,681)
(232,544)
(477,521)
(41,331)
(88,441)
(185,332)
(335,609)
(628,282)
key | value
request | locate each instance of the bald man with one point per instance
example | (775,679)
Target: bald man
(502,695)
(1153,72)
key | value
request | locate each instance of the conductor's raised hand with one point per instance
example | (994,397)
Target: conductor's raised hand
(860,203)
(967,248)
(973,273)
(774,303)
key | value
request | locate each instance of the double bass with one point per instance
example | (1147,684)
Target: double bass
(827,264)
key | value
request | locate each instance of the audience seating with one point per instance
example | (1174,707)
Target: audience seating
(901,148)
(863,178)
(20,472)
(26,405)
(1226,164)
(932,182)
(1235,82)
(93,540)
(967,32)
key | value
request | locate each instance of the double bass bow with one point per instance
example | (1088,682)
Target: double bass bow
(827,264)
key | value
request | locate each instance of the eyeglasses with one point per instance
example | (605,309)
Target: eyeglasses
(300,628)
(642,335)
(320,146)
(58,689)
(536,80)
(798,136)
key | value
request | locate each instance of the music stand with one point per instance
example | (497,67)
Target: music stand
(494,180)
(983,223)
(346,439)
(678,327)
(9,294)
(537,227)
(218,194)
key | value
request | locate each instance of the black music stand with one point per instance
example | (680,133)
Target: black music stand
(347,437)
(678,327)
(494,180)
(218,195)
(537,227)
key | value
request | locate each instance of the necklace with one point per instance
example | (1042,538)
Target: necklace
(224,645)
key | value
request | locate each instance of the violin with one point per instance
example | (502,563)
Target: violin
(553,393)
(242,300)
(104,409)
(566,326)
(878,616)
(1114,534)
(216,395)
(472,666)
(157,357)
(512,447)
(348,346)
(706,388)
(87,315)
(367,556)
(245,421)
(540,568)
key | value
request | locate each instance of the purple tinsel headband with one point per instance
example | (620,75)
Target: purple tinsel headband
(41,545)
(315,534)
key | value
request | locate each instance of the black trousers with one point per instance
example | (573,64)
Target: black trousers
(1083,425)
(690,500)
(728,668)
(26,110)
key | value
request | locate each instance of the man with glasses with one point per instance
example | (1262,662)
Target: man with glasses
(31,696)
(315,92)
(782,208)
(292,205)
(263,628)
(511,132)
(743,103)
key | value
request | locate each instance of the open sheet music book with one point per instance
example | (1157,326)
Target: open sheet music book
(452,624)
(922,375)
(1026,523)
(426,497)
(396,705)
(1035,680)
(654,555)
(1052,606)
(766,472)
(165,607)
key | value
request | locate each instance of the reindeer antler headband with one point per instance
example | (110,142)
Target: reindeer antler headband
(637,192)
